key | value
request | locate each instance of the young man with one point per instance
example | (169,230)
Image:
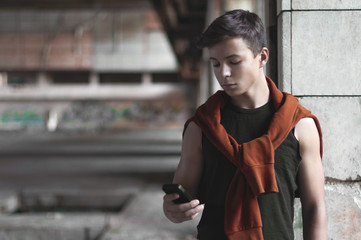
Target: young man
(250,149)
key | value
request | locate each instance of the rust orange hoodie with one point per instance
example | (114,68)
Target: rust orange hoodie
(254,160)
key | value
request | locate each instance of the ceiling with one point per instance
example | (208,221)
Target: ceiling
(71,4)
(183,21)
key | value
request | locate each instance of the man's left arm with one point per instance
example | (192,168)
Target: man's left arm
(311,181)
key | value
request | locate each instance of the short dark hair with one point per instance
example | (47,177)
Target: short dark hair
(235,23)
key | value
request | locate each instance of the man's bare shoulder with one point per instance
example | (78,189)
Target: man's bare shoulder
(192,131)
(306,130)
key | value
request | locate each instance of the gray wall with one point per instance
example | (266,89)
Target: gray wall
(319,48)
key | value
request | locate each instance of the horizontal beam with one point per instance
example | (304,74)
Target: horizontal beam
(81,92)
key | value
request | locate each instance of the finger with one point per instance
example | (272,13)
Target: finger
(186,206)
(178,208)
(182,208)
(185,216)
(194,211)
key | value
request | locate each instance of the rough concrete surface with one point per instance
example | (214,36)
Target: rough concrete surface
(283,5)
(340,119)
(317,46)
(323,62)
(55,226)
(325,4)
(343,204)
(297,220)
(284,52)
(144,220)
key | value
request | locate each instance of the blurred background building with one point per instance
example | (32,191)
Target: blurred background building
(78,65)
(94,95)
(106,64)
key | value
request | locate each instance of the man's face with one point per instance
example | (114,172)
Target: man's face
(235,67)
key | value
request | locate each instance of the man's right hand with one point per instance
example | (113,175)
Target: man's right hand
(178,213)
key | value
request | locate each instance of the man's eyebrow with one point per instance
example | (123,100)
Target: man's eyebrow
(233,55)
(230,56)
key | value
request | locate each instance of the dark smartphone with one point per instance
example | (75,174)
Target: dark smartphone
(184,196)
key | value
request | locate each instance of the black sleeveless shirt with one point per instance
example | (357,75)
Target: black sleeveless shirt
(276,208)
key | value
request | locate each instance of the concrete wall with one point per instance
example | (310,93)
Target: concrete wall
(319,63)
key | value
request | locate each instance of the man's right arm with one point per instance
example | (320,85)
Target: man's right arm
(188,174)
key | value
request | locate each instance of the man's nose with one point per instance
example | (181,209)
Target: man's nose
(225,71)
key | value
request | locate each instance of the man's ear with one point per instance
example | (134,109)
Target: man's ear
(264,56)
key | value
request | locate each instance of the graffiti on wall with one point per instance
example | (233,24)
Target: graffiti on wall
(122,114)
(21,118)
(93,115)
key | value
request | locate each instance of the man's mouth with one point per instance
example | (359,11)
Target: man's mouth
(229,85)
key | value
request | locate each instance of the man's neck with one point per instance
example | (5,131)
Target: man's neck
(259,96)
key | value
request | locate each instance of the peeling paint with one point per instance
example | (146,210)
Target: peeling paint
(357,201)
(352,190)
(343,210)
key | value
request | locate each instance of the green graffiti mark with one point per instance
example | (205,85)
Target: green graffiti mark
(26,117)
(120,114)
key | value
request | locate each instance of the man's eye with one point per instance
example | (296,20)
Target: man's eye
(216,65)
(235,62)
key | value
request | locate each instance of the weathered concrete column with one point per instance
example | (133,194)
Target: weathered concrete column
(208,82)
(43,79)
(94,79)
(319,63)
(3,79)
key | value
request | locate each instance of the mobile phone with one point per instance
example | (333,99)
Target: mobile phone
(184,196)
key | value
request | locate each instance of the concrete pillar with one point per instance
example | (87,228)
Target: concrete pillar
(319,63)
(94,79)
(3,79)
(147,78)
(42,79)
(204,83)
(208,82)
